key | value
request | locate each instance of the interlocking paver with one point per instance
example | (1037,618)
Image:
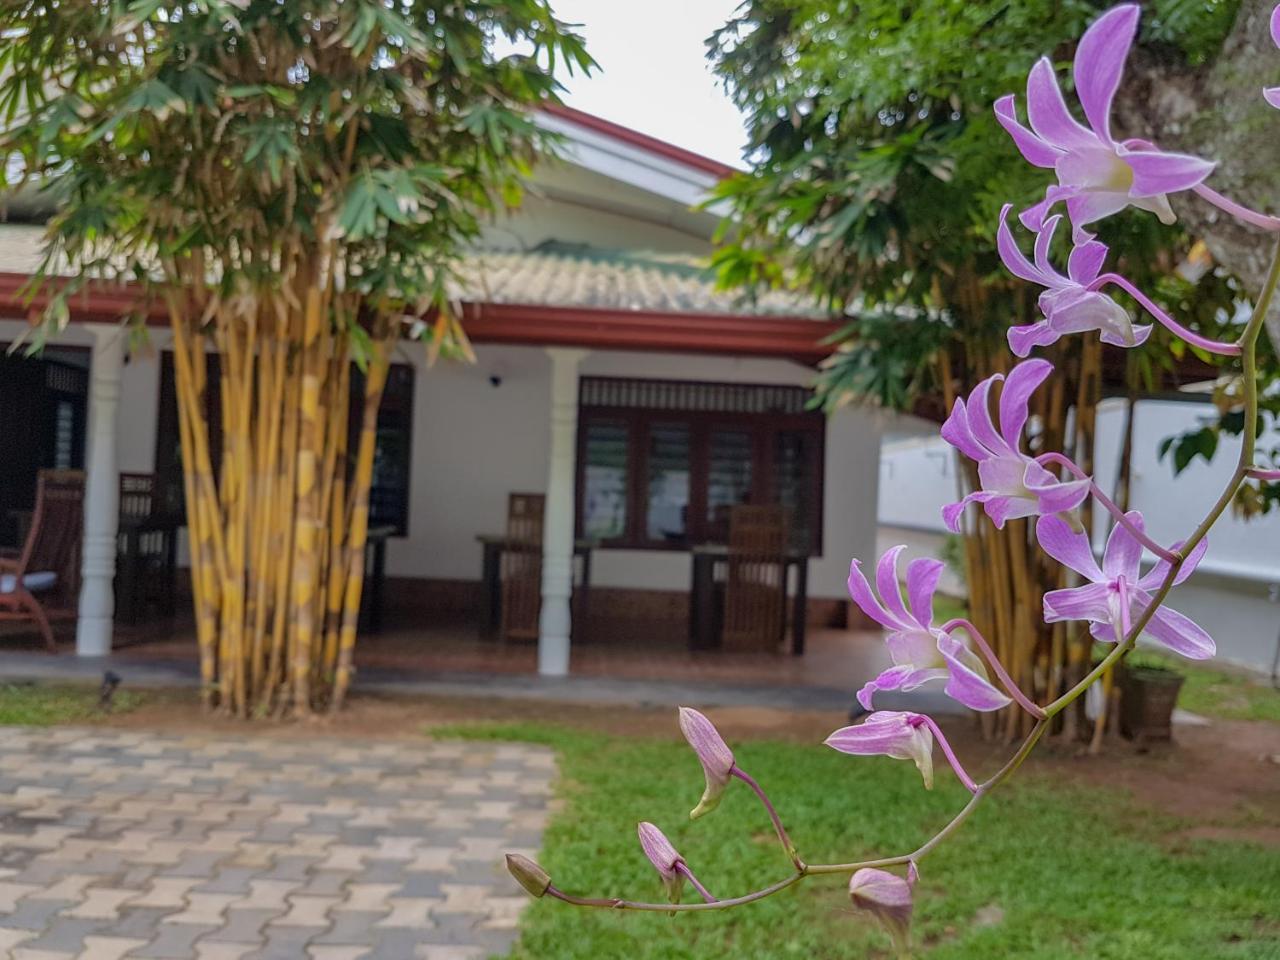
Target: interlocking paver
(118,845)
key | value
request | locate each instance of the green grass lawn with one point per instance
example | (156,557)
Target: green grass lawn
(1043,870)
(42,706)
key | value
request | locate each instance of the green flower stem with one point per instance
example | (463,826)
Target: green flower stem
(1248,344)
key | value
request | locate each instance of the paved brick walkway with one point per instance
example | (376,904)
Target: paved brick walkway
(120,844)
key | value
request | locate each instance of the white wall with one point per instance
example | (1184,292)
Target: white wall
(1235,594)
(474,443)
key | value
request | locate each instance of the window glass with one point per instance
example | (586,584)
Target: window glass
(604,480)
(795,464)
(729,474)
(667,511)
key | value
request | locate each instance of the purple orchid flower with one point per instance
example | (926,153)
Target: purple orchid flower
(902,736)
(714,755)
(1118,593)
(1097,176)
(1013,484)
(887,897)
(1068,305)
(1272,94)
(920,652)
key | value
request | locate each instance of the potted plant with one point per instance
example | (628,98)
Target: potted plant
(1148,695)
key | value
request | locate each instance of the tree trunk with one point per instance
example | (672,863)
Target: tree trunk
(1218,112)
(277,538)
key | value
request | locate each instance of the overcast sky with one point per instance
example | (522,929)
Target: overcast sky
(654,75)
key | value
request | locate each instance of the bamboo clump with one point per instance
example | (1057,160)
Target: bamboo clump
(278,536)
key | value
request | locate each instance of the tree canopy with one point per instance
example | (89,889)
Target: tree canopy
(362,138)
(878,169)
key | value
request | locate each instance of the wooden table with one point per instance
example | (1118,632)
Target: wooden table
(495,545)
(705,613)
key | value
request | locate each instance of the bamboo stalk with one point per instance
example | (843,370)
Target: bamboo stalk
(375,383)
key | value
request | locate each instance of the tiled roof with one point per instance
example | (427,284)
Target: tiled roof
(552,275)
(562,276)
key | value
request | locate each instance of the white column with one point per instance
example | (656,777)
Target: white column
(556,617)
(102,494)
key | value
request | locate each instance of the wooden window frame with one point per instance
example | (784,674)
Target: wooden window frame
(638,420)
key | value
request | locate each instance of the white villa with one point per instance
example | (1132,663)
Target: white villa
(611,376)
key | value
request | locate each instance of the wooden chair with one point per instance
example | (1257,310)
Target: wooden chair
(145,551)
(522,566)
(756,585)
(44,582)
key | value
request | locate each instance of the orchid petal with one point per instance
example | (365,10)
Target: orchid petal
(1275,25)
(1023,380)
(1089,602)
(1134,336)
(891,679)
(887,585)
(957,433)
(1033,217)
(1158,172)
(1023,339)
(979,415)
(1085,261)
(860,593)
(1034,150)
(658,849)
(1014,259)
(922,580)
(1068,546)
(1003,509)
(1099,64)
(968,683)
(1048,113)
(1272,96)
(1044,239)
(952,512)
(1181,634)
(1123,554)
(1085,207)
(1060,496)
(1155,576)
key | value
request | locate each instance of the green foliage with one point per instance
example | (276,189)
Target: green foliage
(1010,886)
(43,706)
(878,169)
(361,138)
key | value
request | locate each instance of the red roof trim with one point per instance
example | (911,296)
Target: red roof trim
(645,142)
(794,338)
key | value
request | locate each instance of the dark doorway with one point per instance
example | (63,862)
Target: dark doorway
(43,407)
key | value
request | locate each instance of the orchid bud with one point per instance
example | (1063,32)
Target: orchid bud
(888,898)
(903,736)
(664,857)
(713,753)
(528,874)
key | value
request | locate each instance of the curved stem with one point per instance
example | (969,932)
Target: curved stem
(997,667)
(787,846)
(952,759)
(1108,504)
(1239,211)
(1193,338)
(685,872)
(615,903)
